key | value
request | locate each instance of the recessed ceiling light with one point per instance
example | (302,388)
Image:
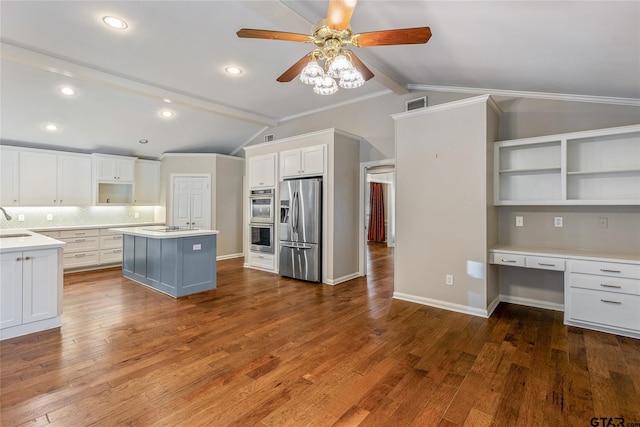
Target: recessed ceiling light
(167,114)
(143,141)
(233,70)
(114,22)
(51,127)
(67,90)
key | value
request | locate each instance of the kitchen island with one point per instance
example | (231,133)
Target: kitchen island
(173,260)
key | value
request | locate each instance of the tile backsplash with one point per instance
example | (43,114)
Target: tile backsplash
(63,216)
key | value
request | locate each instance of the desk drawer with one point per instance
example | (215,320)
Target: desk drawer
(605,283)
(605,308)
(507,259)
(612,269)
(545,263)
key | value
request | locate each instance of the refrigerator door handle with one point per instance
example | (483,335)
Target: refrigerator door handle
(295,246)
(295,213)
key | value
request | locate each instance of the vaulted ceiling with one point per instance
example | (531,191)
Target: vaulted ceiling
(178,50)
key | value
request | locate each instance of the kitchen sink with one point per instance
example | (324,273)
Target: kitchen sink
(4,236)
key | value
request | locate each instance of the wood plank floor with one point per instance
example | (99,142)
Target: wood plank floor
(267,351)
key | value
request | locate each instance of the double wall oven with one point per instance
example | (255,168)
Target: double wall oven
(262,208)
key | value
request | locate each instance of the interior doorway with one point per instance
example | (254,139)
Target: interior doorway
(381,176)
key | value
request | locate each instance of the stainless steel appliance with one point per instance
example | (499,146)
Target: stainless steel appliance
(261,237)
(262,205)
(300,229)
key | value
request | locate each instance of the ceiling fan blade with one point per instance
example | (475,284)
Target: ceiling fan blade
(339,13)
(392,37)
(272,35)
(294,70)
(366,73)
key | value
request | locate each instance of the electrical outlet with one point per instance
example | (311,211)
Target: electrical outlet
(557,221)
(519,221)
(49,217)
(603,222)
(136,215)
(21,217)
(448,279)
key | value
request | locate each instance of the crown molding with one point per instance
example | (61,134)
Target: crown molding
(631,102)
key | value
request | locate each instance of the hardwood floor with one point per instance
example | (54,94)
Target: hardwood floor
(268,351)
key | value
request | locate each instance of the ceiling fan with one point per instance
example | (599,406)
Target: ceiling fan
(330,36)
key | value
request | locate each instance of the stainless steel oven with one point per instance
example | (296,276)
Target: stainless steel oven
(262,206)
(261,237)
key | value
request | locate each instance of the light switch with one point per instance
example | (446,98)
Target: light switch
(519,221)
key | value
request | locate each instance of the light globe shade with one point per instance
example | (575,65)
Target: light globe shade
(326,86)
(312,73)
(351,79)
(338,65)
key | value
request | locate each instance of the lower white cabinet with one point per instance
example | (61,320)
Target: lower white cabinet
(30,289)
(604,296)
(90,247)
(262,261)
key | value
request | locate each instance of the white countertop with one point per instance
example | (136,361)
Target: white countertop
(30,242)
(149,231)
(568,253)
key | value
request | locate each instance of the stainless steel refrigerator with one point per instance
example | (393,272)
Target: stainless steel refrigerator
(300,229)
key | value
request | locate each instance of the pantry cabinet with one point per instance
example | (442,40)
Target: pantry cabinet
(599,167)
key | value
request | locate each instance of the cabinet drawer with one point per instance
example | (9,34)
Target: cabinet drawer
(605,308)
(507,259)
(80,259)
(605,283)
(111,242)
(107,232)
(111,256)
(261,260)
(545,263)
(81,244)
(52,234)
(612,269)
(69,234)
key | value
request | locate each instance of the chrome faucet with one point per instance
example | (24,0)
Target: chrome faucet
(6,215)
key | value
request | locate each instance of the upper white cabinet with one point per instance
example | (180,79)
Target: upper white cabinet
(9,176)
(600,167)
(114,168)
(262,171)
(147,179)
(308,161)
(49,178)
(114,179)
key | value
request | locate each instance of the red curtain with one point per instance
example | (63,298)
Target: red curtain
(376,215)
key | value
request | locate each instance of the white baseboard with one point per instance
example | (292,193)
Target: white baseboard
(532,302)
(230,256)
(343,279)
(442,304)
(492,307)
(30,328)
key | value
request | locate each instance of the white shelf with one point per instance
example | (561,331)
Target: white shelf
(600,167)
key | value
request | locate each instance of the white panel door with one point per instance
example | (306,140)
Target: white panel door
(192,201)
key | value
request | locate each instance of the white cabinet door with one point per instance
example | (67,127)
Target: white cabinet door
(114,168)
(262,171)
(39,280)
(38,179)
(8,177)
(10,289)
(192,202)
(74,180)
(126,170)
(147,182)
(308,161)
(290,163)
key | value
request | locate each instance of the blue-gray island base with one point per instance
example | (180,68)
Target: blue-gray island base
(176,264)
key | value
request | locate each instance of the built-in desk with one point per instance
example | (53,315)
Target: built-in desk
(601,290)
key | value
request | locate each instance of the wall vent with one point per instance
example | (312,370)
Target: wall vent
(268,138)
(414,104)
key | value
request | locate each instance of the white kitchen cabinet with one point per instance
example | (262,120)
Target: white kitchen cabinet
(262,261)
(29,287)
(308,161)
(50,178)
(262,171)
(110,168)
(82,249)
(599,167)
(147,182)
(9,176)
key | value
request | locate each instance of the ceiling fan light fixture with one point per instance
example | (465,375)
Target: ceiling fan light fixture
(326,86)
(312,73)
(339,65)
(351,79)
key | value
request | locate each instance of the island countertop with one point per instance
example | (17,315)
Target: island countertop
(163,232)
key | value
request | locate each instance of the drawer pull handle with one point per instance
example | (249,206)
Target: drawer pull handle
(80,234)
(546,265)
(117,251)
(117,237)
(19,259)
(611,302)
(604,270)
(507,260)
(80,255)
(610,286)
(80,240)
